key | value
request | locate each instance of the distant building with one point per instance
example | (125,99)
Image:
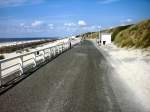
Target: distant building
(105,38)
(73,37)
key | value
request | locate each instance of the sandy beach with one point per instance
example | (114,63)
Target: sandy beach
(131,66)
(2,44)
(17,61)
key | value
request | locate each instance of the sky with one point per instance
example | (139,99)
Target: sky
(61,18)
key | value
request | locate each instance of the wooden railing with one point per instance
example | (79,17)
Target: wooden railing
(21,62)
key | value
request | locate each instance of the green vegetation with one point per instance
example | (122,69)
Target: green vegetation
(2,57)
(134,35)
(116,30)
(137,36)
(89,35)
(27,50)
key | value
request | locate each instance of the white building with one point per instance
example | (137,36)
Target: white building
(105,38)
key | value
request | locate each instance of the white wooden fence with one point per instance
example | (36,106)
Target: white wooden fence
(18,64)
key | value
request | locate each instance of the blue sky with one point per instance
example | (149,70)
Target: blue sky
(52,18)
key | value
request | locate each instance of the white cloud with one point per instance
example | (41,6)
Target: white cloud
(99,27)
(51,26)
(129,20)
(126,21)
(69,24)
(82,23)
(35,26)
(93,27)
(22,24)
(122,24)
(107,1)
(37,23)
(13,3)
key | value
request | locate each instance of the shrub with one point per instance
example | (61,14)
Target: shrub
(2,57)
(27,50)
(19,51)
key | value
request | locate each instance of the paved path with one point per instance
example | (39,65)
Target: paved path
(76,81)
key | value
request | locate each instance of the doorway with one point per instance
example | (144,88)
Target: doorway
(104,42)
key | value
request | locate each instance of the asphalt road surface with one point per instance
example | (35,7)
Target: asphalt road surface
(76,81)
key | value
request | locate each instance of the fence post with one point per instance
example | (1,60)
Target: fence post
(54,51)
(58,49)
(61,48)
(65,46)
(44,54)
(21,65)
(35,59)
(49,52)
(0,75)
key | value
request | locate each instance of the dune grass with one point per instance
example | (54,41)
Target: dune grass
(137,36)
(118,29)
(89,35)
(2,57)
(134,35)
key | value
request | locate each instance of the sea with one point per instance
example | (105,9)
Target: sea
(3,40)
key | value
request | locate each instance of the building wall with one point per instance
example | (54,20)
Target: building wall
(106,38)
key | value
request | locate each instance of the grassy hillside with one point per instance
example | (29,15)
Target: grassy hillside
(117,30)
(134,35)
(89,35)
(114,31)
(137,36)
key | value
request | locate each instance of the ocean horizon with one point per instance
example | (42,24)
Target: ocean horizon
(3,40)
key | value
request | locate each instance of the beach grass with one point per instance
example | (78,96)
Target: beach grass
(133,35)
(17,47)
(2,57)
